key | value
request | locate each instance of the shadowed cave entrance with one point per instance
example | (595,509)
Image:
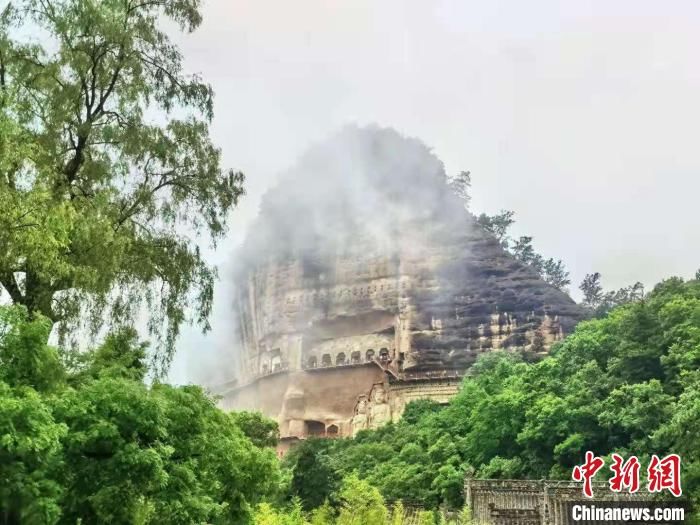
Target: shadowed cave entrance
(319,429)
(315,428)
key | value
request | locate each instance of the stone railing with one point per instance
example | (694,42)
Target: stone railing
(432,374)
(321,366)
(383,362)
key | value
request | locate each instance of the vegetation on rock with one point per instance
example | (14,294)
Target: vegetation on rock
(625,383)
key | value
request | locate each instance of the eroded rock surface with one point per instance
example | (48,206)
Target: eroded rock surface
(365,283)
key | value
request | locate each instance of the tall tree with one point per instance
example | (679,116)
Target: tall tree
(600,302)
(461,186)
(108,176)
(314,479)
(592,290)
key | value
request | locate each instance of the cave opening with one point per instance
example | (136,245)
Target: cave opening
(315,428)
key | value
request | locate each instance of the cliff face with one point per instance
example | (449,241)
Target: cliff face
(362,257)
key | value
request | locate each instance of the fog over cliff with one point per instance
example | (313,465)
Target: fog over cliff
(368,196)
(346,193)
(360,183)
(581,117)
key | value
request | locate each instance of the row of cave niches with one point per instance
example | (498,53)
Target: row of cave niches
(327,361)
(342,359)
(319,429)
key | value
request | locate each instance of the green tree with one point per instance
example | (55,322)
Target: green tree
(262,431)
(461,186)
(498,225)
(398,514)
(361,504)
(551,271)
(115,427)
(94,443)
(107,171)
(322,515)
(166,454)
(266,514)
(30,447)
(592,290)
(25,357)
(121,355)
(681,434)
(465,516)
(600,302)
(555,273)
(314,479)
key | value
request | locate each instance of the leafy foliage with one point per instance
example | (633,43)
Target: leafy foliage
(101,203)
(551,271)
(83,439)
(25,357)
(600,302)
(30,446)
(498,225)
(314,480)
(263,432)
(359,504)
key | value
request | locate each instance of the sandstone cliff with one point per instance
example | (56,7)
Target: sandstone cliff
(362,254)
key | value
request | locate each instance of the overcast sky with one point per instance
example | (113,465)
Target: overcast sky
(582,117)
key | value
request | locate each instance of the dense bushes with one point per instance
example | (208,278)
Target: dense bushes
(359,503)
(84,439)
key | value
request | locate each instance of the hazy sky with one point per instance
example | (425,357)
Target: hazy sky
(582,117)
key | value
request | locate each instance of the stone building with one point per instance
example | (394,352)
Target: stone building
(365,284)
(541,502)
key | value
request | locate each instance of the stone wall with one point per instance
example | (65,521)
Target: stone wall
(438,389)
(533,502)
(301,399)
